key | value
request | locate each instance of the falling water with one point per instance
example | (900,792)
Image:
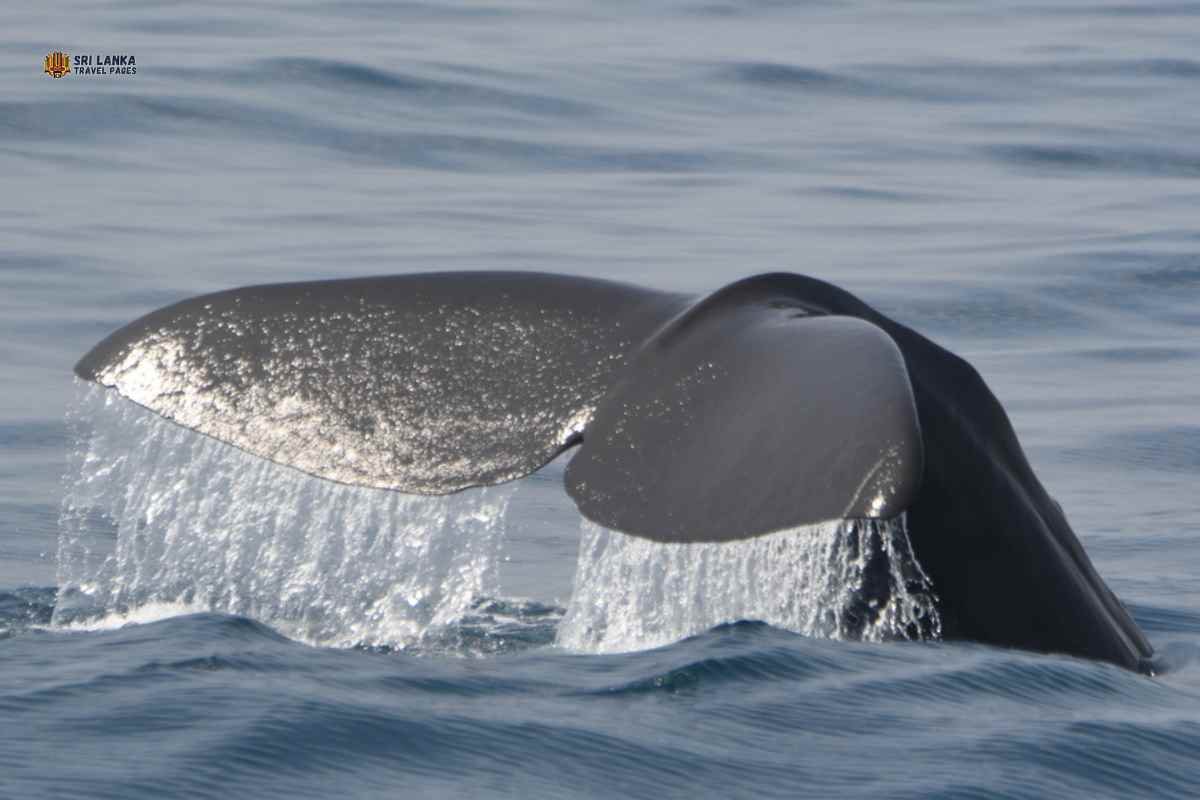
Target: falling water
(853,579)
(158,520)
(157,516)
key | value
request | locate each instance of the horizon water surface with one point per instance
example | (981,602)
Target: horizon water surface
(1016,180)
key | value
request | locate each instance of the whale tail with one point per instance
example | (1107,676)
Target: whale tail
(739,415)
(775,402)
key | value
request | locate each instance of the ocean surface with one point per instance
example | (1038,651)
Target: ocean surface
(1020,181)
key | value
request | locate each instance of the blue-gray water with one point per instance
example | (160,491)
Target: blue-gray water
(1018,180)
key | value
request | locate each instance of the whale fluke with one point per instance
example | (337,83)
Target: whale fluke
(423,383)
(748,414)
(777,401)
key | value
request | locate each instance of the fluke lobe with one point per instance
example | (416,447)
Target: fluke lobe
(777,401)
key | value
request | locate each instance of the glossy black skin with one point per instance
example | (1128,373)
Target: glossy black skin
(748,414)
(1007,567)
(1005,564)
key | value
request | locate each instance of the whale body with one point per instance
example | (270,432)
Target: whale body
(777,401)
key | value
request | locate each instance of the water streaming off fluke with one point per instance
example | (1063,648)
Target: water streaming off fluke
(853,579)
(155,515)
(158,520)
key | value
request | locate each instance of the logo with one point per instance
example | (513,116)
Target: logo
(60,65)
(57,64)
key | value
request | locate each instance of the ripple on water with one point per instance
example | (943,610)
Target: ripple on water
(1173,449)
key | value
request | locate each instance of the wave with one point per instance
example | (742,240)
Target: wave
(1131,160)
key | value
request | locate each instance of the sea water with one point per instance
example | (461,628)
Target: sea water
(1016,180)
